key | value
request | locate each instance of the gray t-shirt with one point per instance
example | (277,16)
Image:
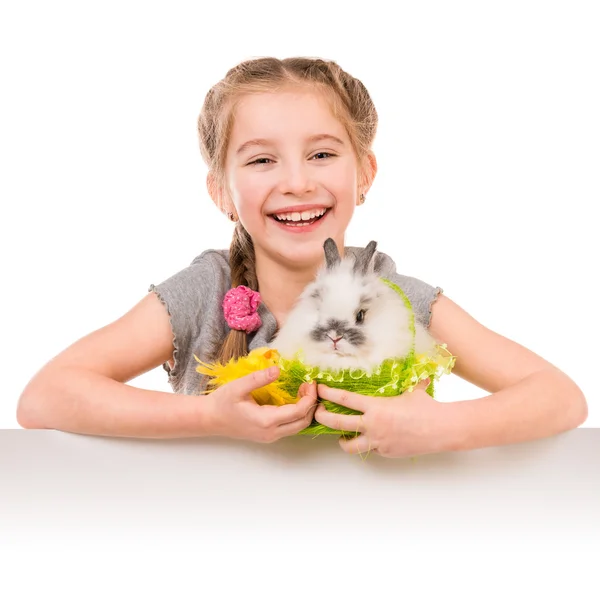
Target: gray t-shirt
(193,298)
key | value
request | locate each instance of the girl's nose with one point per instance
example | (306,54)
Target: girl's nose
(296,180)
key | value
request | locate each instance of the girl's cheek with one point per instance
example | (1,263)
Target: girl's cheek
(244,186)
(343,175)
(253,179)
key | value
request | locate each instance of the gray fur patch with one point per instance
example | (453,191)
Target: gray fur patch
(353,335)
(364,262)
(332,254)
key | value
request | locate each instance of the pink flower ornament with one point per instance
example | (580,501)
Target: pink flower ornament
(240,307)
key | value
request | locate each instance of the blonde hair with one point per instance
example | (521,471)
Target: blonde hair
(350,103)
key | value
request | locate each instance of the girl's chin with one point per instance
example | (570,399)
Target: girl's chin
(306,254)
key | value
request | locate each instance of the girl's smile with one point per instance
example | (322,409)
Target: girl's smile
(303,219)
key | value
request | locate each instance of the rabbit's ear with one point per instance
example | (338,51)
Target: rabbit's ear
(332,254)
(365,260)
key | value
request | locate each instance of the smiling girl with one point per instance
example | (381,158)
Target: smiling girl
(288,144)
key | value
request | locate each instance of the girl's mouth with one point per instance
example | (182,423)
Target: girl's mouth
(301,225)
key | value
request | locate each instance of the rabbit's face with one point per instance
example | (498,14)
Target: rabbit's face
(347,317)
(341,327)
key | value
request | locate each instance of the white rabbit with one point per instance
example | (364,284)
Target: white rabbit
(349,318)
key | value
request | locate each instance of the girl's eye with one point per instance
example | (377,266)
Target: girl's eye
(264,161)
(258,161)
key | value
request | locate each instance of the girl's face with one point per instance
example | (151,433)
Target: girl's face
(289,156)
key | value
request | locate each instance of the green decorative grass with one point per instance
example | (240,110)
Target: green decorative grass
(392,378)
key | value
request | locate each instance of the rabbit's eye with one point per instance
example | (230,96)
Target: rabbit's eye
(360,316)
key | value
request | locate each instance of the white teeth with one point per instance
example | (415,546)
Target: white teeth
(304,216)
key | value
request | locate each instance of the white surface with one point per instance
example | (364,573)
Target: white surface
(206,518)
(487,149)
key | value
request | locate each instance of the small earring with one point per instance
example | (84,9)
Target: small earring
(231,217)
(362,199)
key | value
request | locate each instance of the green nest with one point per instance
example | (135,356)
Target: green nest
(392,378)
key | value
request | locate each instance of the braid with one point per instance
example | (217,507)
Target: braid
(243,272)
(242,260)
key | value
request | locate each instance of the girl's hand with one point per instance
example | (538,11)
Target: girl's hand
(235,414)
(400,426)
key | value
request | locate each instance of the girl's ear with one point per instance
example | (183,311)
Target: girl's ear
(369,170)
(217,194)
(213,190)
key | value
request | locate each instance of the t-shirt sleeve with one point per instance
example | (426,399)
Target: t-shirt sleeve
(190,297)
(422,295)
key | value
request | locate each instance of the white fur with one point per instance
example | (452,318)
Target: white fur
(386,324)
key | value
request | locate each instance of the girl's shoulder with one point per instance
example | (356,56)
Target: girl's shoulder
(192,298)
(216,257)
(421,294)
(208,269)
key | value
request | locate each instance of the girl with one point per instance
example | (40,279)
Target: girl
(288,147)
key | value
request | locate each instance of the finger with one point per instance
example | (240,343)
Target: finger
(295,426)
(361,444)
(353,423)
(308,389)
(343,397)
(422,385)
(257,379)
(290,413)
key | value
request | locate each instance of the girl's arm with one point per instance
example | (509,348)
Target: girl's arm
(84,389)
(529,397)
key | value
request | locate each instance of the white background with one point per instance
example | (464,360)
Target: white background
(488,159)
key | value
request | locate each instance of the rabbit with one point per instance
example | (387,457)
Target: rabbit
(348,318)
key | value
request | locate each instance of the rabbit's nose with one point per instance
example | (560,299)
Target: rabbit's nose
(335,341)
